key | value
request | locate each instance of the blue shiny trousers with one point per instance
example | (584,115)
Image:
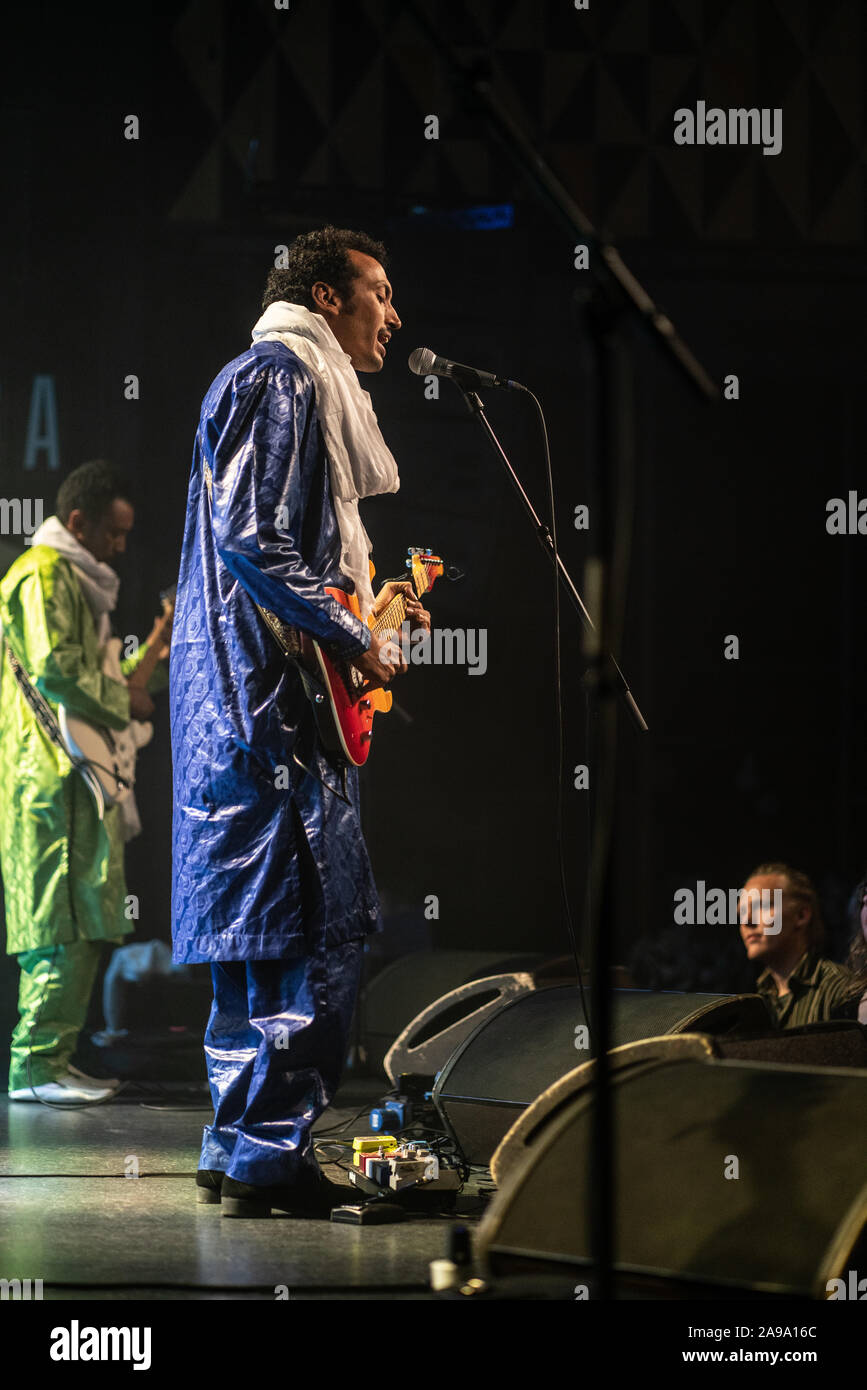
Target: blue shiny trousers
(275,1047)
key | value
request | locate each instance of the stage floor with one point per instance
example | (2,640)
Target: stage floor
(70,1217)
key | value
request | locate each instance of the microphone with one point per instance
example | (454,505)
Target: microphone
(426,363)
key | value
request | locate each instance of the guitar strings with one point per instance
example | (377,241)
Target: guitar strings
(389,620)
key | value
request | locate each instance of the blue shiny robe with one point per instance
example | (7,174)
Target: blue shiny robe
(274,1049)
(267,863)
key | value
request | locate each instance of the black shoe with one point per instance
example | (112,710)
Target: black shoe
(209,1182)
(316,1198)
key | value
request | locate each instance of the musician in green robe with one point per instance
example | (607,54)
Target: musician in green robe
(62,867)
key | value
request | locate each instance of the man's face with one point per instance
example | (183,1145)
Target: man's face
(105,538)
(759,920)
(363,324)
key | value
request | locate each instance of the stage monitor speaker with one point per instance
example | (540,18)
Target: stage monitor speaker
(395,996)
(428,1042)
(833,1044)
(531,1123)
(517,1052)
(840,1044)
(731,1178)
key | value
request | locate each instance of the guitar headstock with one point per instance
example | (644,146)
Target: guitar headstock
(424,566)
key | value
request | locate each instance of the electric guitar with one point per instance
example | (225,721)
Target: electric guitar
(109,755)
(334,685)
(104,758)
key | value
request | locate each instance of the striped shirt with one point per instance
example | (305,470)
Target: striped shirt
(818,991)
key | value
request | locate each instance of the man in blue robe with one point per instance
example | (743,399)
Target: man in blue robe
(272,884)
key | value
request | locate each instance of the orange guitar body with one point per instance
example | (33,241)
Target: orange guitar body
(351,714)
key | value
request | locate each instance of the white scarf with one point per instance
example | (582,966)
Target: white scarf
(361,464)
(98,580)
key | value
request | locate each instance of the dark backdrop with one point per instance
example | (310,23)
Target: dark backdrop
(149,257)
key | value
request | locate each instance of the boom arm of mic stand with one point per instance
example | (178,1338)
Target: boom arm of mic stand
(615,279)
(543,535)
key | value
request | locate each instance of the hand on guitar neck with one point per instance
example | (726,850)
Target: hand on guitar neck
(416,612)
(141,706)
(160,635)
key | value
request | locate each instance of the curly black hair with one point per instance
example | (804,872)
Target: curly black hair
(90,489)
(320,255)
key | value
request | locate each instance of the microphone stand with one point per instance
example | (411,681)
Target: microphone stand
(545,539)
(605,679)
(617,295)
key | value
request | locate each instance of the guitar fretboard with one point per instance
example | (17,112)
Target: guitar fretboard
(390,619)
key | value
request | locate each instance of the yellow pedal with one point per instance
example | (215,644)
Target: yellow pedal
(371,1144)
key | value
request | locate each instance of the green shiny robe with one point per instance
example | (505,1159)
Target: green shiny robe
(63,874)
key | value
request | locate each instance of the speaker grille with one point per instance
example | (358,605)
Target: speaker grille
(785,1223)
(519,1051)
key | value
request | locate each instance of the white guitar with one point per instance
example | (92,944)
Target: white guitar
(106,757)
(109,755)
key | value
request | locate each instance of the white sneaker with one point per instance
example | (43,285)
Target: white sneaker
(66,1090)
(99,1082)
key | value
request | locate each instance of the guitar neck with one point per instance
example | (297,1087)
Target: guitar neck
(145,669)
(390,619)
